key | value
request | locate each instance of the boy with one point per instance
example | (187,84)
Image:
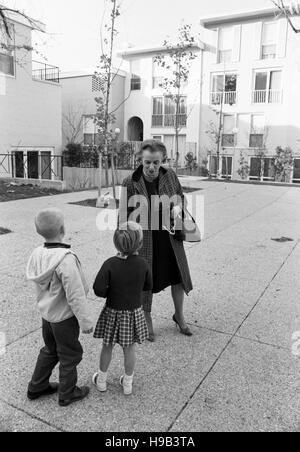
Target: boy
(61,296)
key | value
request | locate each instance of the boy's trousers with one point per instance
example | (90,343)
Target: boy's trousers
(61,346)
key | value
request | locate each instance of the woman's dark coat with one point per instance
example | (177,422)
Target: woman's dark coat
(168,185)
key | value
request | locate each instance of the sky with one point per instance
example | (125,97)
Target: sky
(72,41)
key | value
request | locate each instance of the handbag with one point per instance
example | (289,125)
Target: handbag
(185,229)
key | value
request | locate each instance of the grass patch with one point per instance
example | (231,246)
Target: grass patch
(10,191)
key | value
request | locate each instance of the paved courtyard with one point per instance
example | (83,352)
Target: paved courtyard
(237,373)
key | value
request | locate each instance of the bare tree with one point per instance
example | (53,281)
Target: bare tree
(177,60)
(72,124)
(105,119)
(288,11)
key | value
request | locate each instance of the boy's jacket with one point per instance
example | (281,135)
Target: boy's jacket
(61,286)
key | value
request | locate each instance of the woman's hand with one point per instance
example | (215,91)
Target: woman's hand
(176,212)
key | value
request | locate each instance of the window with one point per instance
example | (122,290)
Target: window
(296,174)
(157,137)
(226,167)
(7,57)
(269,169)
(224,88)
(267,87)
(257,131)
(228,138)
(269,41)
(158,75)
(136,82)
(262,168)
(90,135)
(225,47)
(255,168)
(164,112)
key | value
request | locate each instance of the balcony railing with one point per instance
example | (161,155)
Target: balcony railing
(45,72)
(169,120)
(267,96)
(229,98)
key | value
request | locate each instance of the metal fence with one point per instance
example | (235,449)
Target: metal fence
(31,165)
(45,72)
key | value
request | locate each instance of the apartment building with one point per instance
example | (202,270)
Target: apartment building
(150,113)
(79,91)
(251,93)
(30,109)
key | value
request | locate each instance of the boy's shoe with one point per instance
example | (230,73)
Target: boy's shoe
(100,381)
(78,395)
(127,383)
(52,389)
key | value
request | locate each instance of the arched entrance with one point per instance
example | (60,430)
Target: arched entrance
(135,129)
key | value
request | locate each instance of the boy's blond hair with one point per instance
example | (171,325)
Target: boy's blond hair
(128,239)
(49,223)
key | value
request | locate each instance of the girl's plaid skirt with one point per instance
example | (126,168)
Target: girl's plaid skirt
(121,327)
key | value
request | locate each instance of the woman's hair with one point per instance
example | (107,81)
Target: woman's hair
(128,239)
(154,146)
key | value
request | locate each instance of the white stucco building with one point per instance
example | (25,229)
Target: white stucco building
(30,109)
(251,74)
(79,91)
(149,112)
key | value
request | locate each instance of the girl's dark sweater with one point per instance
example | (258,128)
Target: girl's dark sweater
(123,281)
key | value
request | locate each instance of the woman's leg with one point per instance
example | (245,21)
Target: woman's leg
(105,358)
(147,306)
(178,298)
(129,360)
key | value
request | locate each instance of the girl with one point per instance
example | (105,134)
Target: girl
(122,280)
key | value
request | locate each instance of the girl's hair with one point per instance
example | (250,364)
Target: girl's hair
(128,239)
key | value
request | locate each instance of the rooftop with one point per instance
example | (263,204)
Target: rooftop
(239,16)
(87,73)
(132,52)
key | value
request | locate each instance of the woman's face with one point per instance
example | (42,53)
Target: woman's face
(152,162)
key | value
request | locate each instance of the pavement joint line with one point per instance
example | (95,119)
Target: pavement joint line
(231,340)
(32,416)
(269,285)
(22,337)
(240,221)
(257,341)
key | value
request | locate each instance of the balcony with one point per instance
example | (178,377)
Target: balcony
(229,98)
(45,72)
(267,96)
(169,120)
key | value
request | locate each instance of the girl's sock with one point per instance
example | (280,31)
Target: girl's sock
(127,382)
(100,381)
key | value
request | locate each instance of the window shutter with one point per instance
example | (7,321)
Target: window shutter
(237,33)
(282,38)
(257,40)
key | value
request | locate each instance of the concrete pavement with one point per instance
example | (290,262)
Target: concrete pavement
(237,373)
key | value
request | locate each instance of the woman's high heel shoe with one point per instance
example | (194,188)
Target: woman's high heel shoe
(185,331)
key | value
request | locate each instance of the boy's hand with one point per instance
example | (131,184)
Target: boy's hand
(90,331)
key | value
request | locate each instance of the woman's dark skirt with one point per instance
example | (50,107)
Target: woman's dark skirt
(165,268)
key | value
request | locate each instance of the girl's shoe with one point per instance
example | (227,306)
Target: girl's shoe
(100,381)
(127,383)
(185,331)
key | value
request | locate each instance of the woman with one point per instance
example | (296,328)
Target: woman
(164,253)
